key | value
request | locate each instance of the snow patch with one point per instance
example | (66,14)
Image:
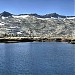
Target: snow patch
(22,16)
(71,18)
(2,23)
(4,17)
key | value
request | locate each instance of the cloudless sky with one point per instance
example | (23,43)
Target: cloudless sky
(63,7)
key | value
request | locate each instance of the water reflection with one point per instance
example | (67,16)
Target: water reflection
(14,59)
(2,60)
(37,59)
(52,58)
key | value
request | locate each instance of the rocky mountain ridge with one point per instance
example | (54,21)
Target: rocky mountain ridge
(25,25)
(55,15)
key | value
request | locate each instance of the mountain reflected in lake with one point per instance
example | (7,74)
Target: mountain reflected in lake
(37,58)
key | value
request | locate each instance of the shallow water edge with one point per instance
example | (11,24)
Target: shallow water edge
(36,39)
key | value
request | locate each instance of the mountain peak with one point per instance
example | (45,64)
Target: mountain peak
(6,14)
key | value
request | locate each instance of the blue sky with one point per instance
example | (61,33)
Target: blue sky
(63,7)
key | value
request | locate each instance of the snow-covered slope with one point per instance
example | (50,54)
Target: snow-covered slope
(21,16)
(71,18)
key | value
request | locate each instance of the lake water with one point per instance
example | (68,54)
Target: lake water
(37,58)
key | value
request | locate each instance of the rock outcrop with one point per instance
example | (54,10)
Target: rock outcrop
(27,25)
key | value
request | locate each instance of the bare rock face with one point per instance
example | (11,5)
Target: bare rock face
(41,26)
(6,14)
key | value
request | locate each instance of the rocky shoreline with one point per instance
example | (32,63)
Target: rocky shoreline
(36,39)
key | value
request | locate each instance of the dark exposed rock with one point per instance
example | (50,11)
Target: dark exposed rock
(55,15)
(6,14)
